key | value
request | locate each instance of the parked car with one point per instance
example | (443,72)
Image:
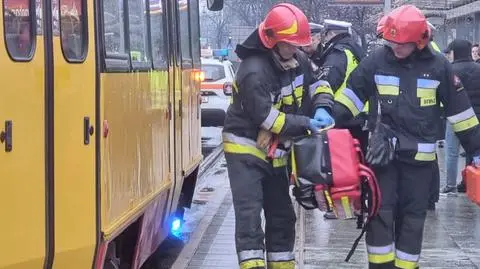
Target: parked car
(216,90)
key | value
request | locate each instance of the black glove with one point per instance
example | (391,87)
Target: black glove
(381,146)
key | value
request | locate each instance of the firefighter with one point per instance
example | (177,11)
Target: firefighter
(404,82)
(276,93)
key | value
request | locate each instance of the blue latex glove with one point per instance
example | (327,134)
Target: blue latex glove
(323,117)
(476,161)
(315,126)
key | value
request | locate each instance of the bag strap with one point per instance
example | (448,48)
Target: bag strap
(369,180)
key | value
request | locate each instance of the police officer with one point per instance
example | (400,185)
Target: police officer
(274,91)
(432,43)
(405,81)
(339,58)
(315,49)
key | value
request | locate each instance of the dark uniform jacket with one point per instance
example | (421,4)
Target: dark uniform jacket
(468,71)
(266,96)
(334,60)
(409,92)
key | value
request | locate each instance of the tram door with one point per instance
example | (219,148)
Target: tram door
(24,179)
(75,133)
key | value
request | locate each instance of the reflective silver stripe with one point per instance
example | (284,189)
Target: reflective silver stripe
(272,97)
(270,120)
(354,98)
(286,91)
(280,256)
(231,138)
(426,147)
(317,84)
(250,254)
(406,256)
(298,81)
(381,250)
(461,116)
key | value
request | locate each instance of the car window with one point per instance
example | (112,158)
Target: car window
(213,72)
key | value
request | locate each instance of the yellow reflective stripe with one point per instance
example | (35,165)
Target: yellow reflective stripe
(466,124)
(243,149)
(351,65)
(235,87)
(287,100)
(405,264)
(299,95)
(323,89)
(281,265)
(346,207)
(425,92)
(344,100)
(280,162)
(279,104)
(381,258)
(387,89)
(252,264)
(424,156)
(279,123)
(428,96)
(365,107)
(435,46)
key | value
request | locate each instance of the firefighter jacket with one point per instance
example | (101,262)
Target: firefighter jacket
(267,96)
(409,92)
(468,71)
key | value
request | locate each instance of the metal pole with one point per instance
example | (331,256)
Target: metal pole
(387,7)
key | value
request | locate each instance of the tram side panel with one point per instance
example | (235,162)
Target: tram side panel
(135,165)
(75,134)
(22,148)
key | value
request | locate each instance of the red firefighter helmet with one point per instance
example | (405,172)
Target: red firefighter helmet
(381,25)
(406,24)
(285,23)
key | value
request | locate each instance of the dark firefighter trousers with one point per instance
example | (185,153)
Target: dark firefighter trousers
(394,237)
(257,184)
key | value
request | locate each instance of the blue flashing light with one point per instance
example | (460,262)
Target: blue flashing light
(220,53)
(176,228)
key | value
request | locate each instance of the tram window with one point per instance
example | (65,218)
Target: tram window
(137,18)
(195,31)
(159,48)
(19,29)
(114,29)
(73,27)
(184,30)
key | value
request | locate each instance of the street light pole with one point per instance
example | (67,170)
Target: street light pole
(387,7)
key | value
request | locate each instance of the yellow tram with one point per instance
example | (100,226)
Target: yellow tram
(99,128)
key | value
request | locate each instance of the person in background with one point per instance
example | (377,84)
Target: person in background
(475,53)
(468,72)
